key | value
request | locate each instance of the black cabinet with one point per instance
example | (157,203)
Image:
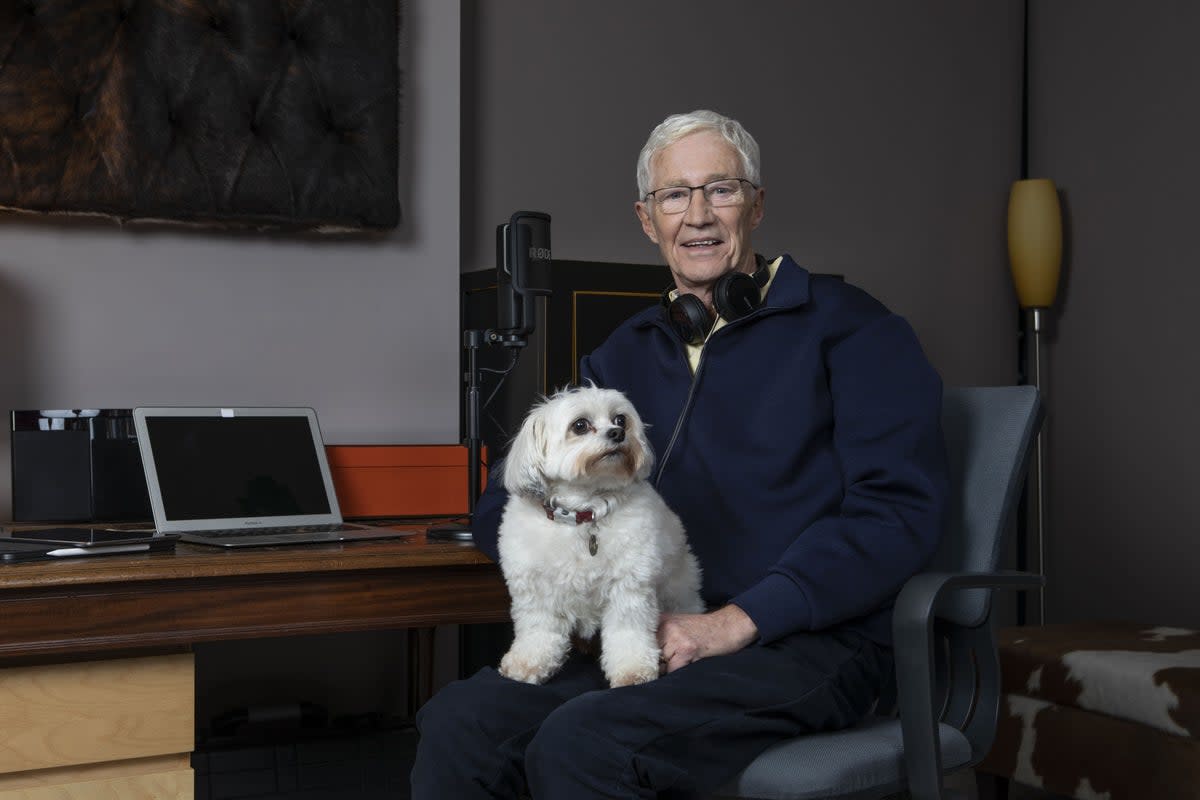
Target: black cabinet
(589,300)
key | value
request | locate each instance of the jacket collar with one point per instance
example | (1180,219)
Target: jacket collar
(790,289)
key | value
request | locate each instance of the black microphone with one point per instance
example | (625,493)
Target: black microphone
(522,274)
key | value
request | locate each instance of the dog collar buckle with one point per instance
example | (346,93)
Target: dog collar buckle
(579,517)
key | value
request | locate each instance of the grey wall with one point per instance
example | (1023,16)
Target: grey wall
(889,131)
(365,330)
(890,134)
(1114,123)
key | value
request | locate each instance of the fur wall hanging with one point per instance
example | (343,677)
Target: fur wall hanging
(260,112)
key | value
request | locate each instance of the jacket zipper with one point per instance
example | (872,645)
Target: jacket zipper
(687,405)
(683,414)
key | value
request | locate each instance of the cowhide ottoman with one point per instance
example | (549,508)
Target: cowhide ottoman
(1099,710)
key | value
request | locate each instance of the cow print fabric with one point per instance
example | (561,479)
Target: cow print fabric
(1100,711)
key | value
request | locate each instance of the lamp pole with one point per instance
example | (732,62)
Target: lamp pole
(1035,259)
(1037,484)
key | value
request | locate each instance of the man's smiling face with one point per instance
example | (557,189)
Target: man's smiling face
(704,242)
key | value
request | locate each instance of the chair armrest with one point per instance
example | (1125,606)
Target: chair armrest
(913,644)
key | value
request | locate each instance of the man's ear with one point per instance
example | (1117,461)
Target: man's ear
(643,214)
(760,207)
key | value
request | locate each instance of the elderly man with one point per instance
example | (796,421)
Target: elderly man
(796,424)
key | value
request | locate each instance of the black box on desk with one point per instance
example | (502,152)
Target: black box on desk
(77,465)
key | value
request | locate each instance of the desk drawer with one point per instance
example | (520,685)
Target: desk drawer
(158,778)
(59,715)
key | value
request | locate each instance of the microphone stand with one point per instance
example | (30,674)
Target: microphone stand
(472,341)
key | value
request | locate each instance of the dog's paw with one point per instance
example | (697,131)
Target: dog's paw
(632,677)
(518,668)
(629,659)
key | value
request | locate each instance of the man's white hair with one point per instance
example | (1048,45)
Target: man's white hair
(676,126)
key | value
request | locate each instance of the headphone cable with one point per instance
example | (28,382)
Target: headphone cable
(683,414)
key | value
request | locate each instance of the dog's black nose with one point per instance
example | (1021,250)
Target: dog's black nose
(616,434)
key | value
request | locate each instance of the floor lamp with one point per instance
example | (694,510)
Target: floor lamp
(1035,257)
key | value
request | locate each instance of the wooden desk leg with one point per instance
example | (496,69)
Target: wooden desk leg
(420,667)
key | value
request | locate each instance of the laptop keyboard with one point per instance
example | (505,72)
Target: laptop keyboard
(239,532)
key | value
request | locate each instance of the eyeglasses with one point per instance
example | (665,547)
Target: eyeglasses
(677,199)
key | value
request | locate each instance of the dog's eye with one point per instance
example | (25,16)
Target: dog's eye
(619,421)
(580,426)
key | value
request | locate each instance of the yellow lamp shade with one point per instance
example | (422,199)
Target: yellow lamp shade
(1034,241)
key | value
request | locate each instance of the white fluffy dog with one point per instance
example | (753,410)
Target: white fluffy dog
(586,544)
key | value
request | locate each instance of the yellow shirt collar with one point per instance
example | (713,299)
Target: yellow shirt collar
(694,350)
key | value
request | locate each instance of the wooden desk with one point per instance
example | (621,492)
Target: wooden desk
(104,609)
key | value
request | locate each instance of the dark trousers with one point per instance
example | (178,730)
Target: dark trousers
(682,735)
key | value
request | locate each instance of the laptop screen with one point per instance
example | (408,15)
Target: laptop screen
(211,468)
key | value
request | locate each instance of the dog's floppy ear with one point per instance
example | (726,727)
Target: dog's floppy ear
(524,468)
(643,463)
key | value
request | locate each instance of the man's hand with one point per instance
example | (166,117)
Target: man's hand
(684,638)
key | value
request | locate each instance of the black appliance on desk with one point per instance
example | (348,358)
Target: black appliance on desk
(77,465)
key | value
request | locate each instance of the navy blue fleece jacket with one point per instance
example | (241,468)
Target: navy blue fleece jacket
(808,469)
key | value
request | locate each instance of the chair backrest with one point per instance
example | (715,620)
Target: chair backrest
(989,433)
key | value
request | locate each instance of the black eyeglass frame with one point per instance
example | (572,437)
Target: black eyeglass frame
(691,189)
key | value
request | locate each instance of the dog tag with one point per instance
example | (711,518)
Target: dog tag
(592,546)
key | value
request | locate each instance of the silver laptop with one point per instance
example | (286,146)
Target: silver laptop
(240,477)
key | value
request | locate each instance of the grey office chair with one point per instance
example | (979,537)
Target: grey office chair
(947,670)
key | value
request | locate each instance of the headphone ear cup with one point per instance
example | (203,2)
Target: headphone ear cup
(735,295)
(690,319)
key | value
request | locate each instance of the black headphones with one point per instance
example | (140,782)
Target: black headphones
(735,294)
